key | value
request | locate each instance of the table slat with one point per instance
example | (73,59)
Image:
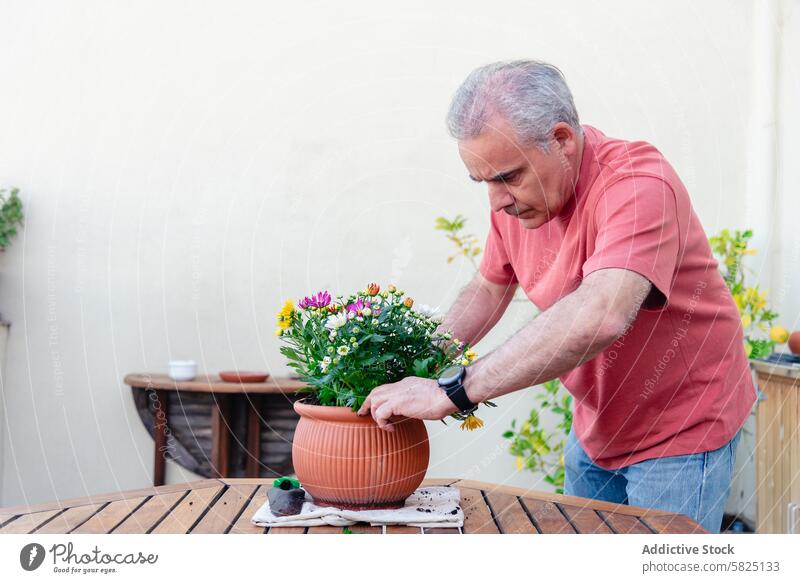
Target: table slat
(477,518)
(188,510)
(223,514)
(69,519)
(624,524)
(673,524)
(509,513)
(110,497)
(243,524)
(365,528)
(113,514)
(585,519)
(287,530)
(324,529)
(547,516)
(28,522)
(149,514)
(398,529)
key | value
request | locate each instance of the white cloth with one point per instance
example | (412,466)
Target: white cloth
(428,506)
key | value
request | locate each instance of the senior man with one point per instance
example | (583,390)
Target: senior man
(635,318)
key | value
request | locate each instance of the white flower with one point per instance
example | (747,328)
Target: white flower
(428,312)
(336,321)
(366,312)
(343,350)
(326,361)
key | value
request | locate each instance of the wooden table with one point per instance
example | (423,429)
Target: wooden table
(226,505)
(160,384)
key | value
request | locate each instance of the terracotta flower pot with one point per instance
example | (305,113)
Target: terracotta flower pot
(347,461)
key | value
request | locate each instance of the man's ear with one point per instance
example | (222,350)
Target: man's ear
(564,135)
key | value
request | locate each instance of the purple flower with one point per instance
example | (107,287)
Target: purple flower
(318,300)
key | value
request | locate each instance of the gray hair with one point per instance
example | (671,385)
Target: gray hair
(531,96)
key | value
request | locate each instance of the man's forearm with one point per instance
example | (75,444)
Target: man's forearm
(571,332)
(477,309)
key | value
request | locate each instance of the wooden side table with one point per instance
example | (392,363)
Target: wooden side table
(778,448)
(160,385)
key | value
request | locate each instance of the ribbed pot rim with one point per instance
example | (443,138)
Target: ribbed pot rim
(327,413)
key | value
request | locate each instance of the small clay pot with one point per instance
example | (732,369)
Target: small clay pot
(347,461)
(794,342)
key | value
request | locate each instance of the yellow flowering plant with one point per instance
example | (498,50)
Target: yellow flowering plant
(536,449)
(760,335)
(344,347)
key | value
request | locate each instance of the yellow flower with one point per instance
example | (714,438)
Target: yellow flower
(470,355)
(779,334)
(520,463)
(278,331)
(471,422)
(286,315)
(287,310)
(392,288)
(464,362)
(746,321)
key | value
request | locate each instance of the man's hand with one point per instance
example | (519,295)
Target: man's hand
(413,397)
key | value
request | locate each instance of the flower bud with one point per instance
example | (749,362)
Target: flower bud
(408,302)
(373,289)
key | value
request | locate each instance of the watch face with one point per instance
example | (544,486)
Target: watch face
(450,375)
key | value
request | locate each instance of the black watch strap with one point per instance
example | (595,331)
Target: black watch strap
(459,397)
(452,383)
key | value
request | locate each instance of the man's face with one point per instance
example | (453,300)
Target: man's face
(524,181)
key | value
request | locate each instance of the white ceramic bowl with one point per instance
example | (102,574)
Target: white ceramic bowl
(182,370)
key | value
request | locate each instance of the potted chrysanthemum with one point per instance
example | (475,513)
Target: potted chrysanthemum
(343,348)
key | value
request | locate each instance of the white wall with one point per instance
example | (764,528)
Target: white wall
(187,166)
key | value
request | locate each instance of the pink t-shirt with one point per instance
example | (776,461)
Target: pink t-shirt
(678,381)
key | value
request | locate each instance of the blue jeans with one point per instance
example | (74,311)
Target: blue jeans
(696,484)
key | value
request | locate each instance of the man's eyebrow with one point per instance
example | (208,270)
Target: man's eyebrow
(502,177)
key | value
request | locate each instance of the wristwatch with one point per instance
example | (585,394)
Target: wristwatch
(452,382)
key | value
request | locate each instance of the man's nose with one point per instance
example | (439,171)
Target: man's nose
(499,197)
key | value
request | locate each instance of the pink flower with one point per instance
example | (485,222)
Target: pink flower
(358,307)
(318,300)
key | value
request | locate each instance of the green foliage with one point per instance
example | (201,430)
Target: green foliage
(466,243)
(537,450)
(731,248)
(10,215)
